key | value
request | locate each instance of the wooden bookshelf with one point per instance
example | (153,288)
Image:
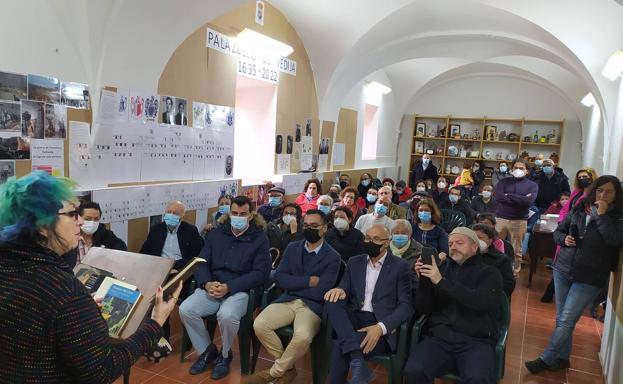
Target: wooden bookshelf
(474,139)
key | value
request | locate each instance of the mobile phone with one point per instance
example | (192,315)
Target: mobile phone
(289,145)
(278,144)
(427,257)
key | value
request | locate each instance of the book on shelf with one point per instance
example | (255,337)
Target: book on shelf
(90,276)
(119,300)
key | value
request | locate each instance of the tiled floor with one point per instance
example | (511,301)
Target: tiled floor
(531,325)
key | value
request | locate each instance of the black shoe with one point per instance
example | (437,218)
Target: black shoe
(536,366)
(221,367)
(204,360)
(562,364)
(360,372)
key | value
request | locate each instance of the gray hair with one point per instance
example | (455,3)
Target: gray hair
(404,222)
(325,197)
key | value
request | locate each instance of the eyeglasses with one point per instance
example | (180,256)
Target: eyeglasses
(375,239)
(73,214)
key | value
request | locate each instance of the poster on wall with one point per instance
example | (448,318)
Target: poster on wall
(220,120)
(173,110)
(10,118)
(75,95)
(13,86)
(7,169)
(55,126)
(114,106)
(80,167)
(33,118)
(14,147)
(283,164)
(48,155)
(44,88)
(199,115)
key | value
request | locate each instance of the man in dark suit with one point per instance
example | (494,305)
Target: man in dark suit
(309,268)
(423,170)
(369,304)
(173,238)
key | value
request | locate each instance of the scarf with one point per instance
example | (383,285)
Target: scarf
(399,251)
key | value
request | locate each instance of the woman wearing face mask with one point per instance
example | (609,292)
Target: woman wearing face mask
(403,191)
(485,202)
(491,256)
(590,240)
(309,198)
(426,229)
(365,183)
(52,330)
(345,239)
(440,193)
(223,208)
(325,204)
(285,230)
(478,176)
(367,201)
(348,199)
(501,173)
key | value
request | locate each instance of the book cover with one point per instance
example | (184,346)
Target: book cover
(107,283)
(185,273)
(117,307)
(91,277)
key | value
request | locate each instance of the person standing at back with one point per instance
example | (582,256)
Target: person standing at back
(422,170)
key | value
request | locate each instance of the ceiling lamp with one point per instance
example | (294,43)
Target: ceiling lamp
(257,41)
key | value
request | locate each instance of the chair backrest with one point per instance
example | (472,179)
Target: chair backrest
(451,219)
(505,315)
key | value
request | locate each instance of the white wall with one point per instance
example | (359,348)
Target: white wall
(497,97)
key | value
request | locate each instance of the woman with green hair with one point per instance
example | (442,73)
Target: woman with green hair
(51,329)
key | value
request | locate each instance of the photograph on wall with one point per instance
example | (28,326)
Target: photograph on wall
(7,169)
(199,115)
(308,127)
(44,88)
(180,111)
(229,166)
(55,121)
(10,117)
(137,105)
(278,144)
(297,133)
(289,145)
(17,148)
(33,119)
(420,129)
(324,146)
(75,95)
(13,86)
(151,108)
(168,109)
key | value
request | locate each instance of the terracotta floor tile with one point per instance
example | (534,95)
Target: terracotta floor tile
(576,377)
(586,365)
(137,376)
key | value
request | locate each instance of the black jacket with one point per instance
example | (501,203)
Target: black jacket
(419,173)
(347,244)
(550,188)
(598,248)
(187,237)
(462,206)
(479,205)
(465,304)
(502,263)
(104,238)
(279,235)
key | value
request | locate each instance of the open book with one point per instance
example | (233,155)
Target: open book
(119,300)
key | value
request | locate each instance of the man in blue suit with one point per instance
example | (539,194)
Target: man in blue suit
(308,270)
(370,303)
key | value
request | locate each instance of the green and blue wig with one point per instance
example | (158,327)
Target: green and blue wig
(31,202)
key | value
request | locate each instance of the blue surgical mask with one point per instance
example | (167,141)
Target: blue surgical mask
(454,199)
(365,183)
(371,198)
(548,169)
(538,162)
(503,168)
(274,201)
(400,240)
(171,220)
(380,209)
(425,217)
(239,222)
(326,209)
(223,209)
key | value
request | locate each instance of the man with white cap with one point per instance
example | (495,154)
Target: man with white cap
(462,302)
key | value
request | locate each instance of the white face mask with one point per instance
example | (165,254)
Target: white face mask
(89,227)
(420,189)
(340,224)
(519,173)
(441,185)
(486,194)
(287,219)
(483,246)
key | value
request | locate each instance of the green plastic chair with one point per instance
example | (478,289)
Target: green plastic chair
(245,333)
(320,346)
(451,219)
(394,362)
(500,346)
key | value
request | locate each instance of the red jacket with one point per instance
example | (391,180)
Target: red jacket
(305,203)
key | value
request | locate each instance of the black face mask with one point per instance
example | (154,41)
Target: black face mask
(311,235)
(334,195)
(371,249)
(585,183)
(343,184)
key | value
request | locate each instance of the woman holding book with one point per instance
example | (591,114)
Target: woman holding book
(52,330)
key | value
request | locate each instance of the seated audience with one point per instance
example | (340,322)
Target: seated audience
(365,182)
(237,260)
(403,191)
(271,211)
(491,256)
(489,219)
(285,230)
(334,191)
(348,200)
(426,228)
(92,234)
(478,176)
(371,301)
(440,193)
(308,270)
(456,202)
(223,204)
(420,186)
(485,202)
(309,198)
(501,173)
(366,202)
(345,239)
(378,216)
(395,211)
(344,180)
(325,204)
(465,178)
(462,300)
(556,206)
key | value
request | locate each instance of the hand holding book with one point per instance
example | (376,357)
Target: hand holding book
(162,309)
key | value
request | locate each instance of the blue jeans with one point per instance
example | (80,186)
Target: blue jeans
(571,300)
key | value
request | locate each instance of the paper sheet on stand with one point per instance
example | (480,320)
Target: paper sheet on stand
(339,154)
(283,164)
(80,162)
(101,154)
(120,228)
(293,184)
(201,219)
(307,161)
(48,155)
(323,163)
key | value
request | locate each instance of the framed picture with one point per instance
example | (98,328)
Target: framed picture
(419,146)
(490,132)
(420,129)
(455,131)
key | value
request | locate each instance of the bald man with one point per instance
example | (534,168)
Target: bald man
(369,304)
(462,300)
(395,211)
(173,238)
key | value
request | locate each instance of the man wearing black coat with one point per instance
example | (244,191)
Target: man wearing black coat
(463,303)
(423,170)
(552,182)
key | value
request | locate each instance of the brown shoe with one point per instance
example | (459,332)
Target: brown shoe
(262,377)
(288,377)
